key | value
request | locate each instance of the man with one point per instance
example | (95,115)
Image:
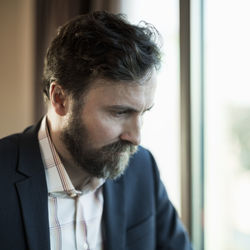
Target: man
(78,179)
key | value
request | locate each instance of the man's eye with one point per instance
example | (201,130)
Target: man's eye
(120,113)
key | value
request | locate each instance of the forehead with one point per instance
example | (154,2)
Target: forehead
(105,92)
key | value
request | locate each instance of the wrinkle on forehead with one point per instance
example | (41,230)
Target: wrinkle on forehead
(123,93)
(99,82)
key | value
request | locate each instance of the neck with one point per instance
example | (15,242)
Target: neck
(78,176)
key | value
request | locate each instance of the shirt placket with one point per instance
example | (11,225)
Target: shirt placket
(80,227)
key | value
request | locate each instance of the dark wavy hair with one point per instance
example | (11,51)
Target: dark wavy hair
(100,45)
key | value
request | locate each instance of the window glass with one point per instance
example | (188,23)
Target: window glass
(227,124)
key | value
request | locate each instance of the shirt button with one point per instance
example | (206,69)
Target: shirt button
(72,195)
(85,245)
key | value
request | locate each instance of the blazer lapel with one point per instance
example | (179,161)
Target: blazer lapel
(33,192)
(114,215)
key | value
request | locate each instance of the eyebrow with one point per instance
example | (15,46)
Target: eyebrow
(128,108)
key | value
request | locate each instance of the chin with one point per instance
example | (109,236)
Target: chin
(120,168)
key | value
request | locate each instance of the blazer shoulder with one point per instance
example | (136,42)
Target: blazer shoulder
(142,155)
(142,169)
(9,144)
(10,148)
(142,160)
(9,151)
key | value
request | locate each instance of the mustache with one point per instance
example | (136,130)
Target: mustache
(120,147)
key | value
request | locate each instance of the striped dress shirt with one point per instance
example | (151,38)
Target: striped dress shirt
(74,215)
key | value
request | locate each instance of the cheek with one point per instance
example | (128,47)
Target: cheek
(103,131)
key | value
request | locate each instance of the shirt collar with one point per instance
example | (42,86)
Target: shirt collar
(58,180)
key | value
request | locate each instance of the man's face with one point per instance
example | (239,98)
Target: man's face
(104,132)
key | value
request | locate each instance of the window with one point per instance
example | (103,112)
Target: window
(225,85)
(227,116)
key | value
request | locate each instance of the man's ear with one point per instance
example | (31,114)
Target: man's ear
(58,99)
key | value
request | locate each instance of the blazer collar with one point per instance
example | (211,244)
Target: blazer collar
(33,191)
(30,161)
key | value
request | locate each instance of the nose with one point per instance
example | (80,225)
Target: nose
(132,131)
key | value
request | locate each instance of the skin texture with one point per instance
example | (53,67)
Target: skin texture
(100,135)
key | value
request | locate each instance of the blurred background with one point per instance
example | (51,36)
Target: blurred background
(199,129)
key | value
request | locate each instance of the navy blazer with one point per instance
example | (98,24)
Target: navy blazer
(138,214)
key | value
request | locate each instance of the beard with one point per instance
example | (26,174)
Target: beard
(109,161)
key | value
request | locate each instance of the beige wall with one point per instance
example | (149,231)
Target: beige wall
(16,70)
